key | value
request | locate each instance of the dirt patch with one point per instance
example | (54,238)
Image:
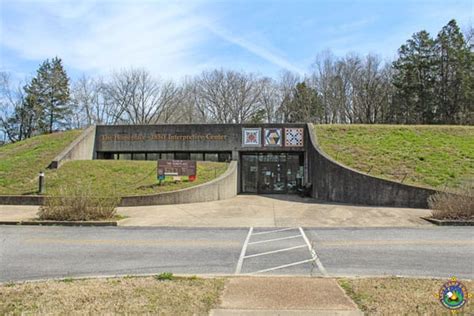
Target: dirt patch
(400,296)
(137,295)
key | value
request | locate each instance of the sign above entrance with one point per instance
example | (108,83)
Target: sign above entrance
(294,137)
(273,137)
(251,137)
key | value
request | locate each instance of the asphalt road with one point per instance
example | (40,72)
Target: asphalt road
(32,252)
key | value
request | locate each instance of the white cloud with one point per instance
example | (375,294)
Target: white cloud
(94,38)
(258,50)
(167,38)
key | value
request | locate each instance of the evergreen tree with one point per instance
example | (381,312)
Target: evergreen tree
(414,80)
(454,91)
(48,96)
(305,105)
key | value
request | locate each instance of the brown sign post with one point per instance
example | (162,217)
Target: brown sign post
(176,168)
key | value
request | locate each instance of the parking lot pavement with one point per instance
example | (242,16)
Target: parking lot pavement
(28,253)
(429,252)
(280,251)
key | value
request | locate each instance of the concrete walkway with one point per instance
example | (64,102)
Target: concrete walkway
(18,212)
(253,211)
(284,296)
(271,211)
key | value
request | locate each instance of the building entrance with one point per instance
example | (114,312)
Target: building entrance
(266,173)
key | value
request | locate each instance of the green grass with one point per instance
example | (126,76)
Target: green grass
(115,177)
(429,156)
(20,162)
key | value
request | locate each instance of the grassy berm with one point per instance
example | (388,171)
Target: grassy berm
(430,156)
(121,178)
(20,163)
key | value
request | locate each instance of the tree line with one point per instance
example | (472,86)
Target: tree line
(431,82)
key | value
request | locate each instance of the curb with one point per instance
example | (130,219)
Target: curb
(283,312)
(441,222)
(60,223)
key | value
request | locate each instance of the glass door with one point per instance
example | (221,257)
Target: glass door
(249,173)
(272,177)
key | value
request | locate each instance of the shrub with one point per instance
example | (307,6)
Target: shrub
(78,203)
(454,205)
(164,276)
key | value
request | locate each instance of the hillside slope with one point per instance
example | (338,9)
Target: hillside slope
(123,177)
(20,162)
(429,156)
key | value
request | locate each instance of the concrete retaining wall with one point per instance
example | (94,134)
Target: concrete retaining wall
(21,200)
(82,148)
(223,187)
(337,183)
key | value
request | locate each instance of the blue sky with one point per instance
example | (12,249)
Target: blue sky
(176,38)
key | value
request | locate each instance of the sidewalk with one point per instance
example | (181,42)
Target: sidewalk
(253,211)
(284,296)
(18,212)
(271,211)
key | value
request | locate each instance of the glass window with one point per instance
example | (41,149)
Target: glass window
(181,156)
(138,156)
(295,171)
(225,157)
(270,157)
(125,156)
(211,157)
(152,156)
(167,156)
(197,156)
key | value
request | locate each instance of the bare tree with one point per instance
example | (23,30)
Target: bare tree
(327,82)
(270,99)
(189,112)
(141,99)
(16,114)
(93,105)
(227,96)
(370,91)
(352,89)
(285,92)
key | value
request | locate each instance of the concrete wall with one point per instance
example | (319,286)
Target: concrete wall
(180,137)
(337,183)
(82,148)
(21,199)
(223,187)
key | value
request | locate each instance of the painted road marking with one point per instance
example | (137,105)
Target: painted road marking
(314,256)
(242,253)
(274,251)
(274,231)
(271,240)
